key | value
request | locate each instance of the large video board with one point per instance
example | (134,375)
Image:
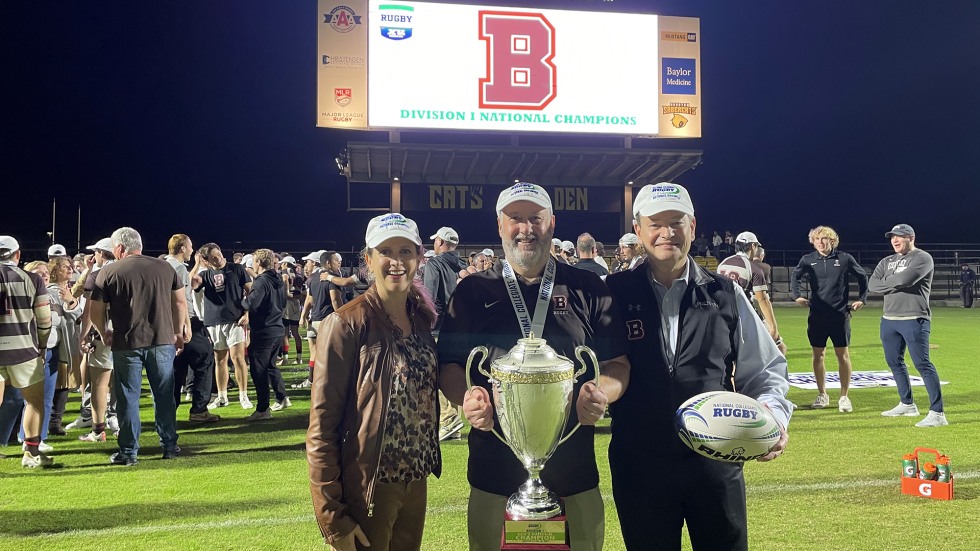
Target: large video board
(469,67)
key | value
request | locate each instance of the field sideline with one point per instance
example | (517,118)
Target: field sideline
(244,486)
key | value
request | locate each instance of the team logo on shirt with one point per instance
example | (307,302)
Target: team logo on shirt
(559,304)
(634,330)
(219,281)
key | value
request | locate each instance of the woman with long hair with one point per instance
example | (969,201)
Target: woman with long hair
(374,416)
(70,310)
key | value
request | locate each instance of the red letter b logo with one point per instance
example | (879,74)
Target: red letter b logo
(520,74)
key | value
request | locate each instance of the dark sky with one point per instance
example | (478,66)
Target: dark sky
(200,117)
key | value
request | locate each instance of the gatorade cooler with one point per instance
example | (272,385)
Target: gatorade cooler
(932,489)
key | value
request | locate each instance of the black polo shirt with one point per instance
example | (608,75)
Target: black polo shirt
(581,312)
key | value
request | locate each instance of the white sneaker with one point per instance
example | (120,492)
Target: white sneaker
(112,424)
(452,431)
(305,384)
(933,419)
(79,424)
(279,406)
(844,405)
(34,461)
(218,402)
(902,410)
(245,402)
(822,401)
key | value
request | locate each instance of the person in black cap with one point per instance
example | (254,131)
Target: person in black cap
(905,280)
(967,279)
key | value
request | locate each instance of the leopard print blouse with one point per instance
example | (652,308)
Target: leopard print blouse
(411,444)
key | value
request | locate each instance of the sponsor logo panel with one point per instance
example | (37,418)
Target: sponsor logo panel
(679,76)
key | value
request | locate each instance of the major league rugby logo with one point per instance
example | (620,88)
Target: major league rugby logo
(342,96)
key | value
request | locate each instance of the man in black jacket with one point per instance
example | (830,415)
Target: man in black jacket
(828,269)
(687,329)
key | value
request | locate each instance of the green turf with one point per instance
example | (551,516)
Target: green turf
(245,486)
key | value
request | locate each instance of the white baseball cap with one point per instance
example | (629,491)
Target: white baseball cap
(747,237)
(629,239)
(57,250)
(104,244)
(487,252)
(556,242)
(429,253)
(567,246)
(523,191)
(8,246)
(656,198)
(447,234)
(288,260)
(315,255)
(384,227)
(247,260)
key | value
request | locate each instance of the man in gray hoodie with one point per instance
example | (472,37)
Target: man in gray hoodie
(905,280)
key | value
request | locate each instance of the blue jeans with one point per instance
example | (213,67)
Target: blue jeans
(896,336)
(128,369)
(10,412)
(50,381)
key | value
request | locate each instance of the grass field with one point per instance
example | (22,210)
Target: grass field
(243,486)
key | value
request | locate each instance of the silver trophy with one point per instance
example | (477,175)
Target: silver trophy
(532,393)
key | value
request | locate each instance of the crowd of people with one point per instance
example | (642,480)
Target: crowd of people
(386,364)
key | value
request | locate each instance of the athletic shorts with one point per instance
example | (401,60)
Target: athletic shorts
(226,335)
(24,374)
(837,328)
(311,329)
(290,323)
(101,356)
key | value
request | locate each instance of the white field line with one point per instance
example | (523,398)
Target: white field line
(461,508)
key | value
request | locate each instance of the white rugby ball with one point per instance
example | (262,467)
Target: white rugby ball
(726,426)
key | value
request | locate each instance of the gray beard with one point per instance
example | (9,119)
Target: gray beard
(528,260)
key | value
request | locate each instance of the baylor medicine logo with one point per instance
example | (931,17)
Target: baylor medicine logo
(396,21)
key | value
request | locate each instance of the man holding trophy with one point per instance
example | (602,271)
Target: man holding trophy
(529,297)
(690,331)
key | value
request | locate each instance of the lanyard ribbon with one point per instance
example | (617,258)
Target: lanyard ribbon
(529,327)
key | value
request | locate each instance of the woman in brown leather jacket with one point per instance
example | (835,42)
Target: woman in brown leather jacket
(374,419)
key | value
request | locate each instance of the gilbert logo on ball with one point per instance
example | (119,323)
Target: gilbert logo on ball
(726,426)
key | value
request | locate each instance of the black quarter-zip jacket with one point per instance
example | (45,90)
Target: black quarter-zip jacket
(829,293)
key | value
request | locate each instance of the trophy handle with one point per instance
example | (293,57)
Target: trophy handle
(579,350)
(469,381)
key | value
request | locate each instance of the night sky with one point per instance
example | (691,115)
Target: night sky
(199,117)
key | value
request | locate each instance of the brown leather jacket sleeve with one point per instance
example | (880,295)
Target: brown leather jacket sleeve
(336,362)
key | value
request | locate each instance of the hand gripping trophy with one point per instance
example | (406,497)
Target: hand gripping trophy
(532,390)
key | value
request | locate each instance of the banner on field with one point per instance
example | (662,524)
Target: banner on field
(859,379)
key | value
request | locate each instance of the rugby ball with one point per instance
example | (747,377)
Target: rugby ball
(726,426)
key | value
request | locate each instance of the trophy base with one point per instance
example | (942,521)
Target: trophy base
(534,535)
